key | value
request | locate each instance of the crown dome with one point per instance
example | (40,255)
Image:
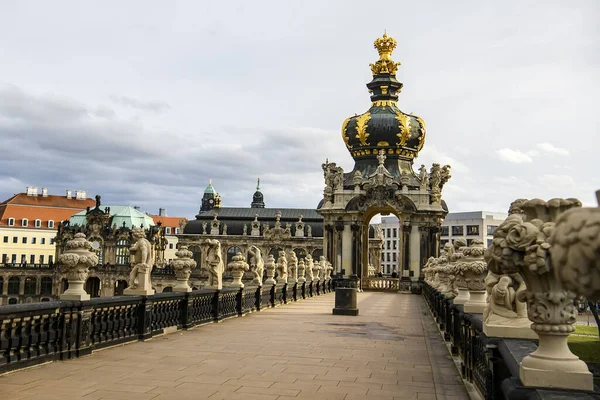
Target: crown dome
(384,126)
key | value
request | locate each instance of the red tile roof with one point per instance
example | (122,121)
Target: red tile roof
(173,222)
(50,208)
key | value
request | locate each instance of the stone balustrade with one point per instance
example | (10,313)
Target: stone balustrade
(35,333)
(381,284)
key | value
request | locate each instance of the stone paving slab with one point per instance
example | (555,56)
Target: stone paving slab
(392,350)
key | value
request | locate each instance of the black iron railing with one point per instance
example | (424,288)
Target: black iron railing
(57,330)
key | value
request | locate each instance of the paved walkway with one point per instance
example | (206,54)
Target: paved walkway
(298,351)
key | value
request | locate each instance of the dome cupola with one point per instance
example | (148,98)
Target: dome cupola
(208,199)
(384,126)
(258,200)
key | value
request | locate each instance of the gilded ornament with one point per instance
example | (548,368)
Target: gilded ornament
(385,65)
(404,126)
(361,128)
(384,103)
(423,133)
(384,90)
(383,144)
(344,133)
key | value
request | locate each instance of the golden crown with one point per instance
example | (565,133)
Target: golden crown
(385,45)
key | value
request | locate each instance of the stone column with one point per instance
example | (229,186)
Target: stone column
(424,248)
(415,250)
(347,247)
(5,286)
(21,285)
(38,285)
(406,245)
(401,260)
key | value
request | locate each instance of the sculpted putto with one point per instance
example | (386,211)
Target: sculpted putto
(141,256)
(309,268)
(282,267)
(215,264)
(257,264)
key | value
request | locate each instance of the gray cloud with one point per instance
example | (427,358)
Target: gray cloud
(263,90)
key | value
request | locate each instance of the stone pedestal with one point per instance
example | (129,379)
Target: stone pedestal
(463,296)
(477,302)
(138,292)
(516,328)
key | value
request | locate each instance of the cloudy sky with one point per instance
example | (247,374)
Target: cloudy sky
(144,101)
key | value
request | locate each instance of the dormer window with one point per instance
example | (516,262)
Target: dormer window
(24,222)
(38,223)
(11,222)
(177,231)
(168,230)
(50,224)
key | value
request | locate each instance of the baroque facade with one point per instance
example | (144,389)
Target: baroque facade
(383,143)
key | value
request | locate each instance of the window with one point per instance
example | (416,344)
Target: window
(5,239)
(11,222)
(15,239)
(388,257)
(389,232)
(32,259)
(50,259)
(394,244)
(458,230)
(43,241)
(12,300)
(171,246)
(382,257)
(13,259)
(13,285)
(472,229)
(50,224)
(394,257)
(443,242)
(489,242)
(491,229)
(51,241)
(33,240)
(46,286)
(42,259)
(177,231)
(23,259)
(24,240)
(445,230)
(38,223)
(30,286)
(122,252)
(395,232)
(388,246)
(24,222)
(168,230)
(388,269)
(4,258)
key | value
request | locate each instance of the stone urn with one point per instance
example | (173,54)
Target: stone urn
(524,243)
(183,266)
(237,266)
(270,267)
(473,270)
(301,271)
(74,263)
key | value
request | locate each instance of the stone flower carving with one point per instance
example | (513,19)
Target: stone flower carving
(74,263)
(522,244)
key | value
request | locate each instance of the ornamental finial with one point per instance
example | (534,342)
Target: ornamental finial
(381,157)
(385,45)
(258,184)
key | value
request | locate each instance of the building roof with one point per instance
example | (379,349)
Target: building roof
(173,222)
(119,215)
(45,208)
(263,213)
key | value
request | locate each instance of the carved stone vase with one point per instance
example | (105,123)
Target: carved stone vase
(301,271)
(473,269)
(183,266)
(75,263)
(522,244)
(237,266)
(462,287)
(270,267)
(316,272)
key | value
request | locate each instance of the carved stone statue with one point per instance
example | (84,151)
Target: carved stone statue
(224,229)
(214,226)
(308,230)
(245,230)
(204,228)
(292,268)
(255,226)
(309,268)
(282,267)
(214,264)
(505,315)
(299,227)
(424,177)
(435,180)
(257,264)
(141,264)
(301,271)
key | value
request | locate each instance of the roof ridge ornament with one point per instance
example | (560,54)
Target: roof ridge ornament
(385,45)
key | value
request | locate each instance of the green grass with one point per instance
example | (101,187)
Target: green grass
(586,347)
(586,330)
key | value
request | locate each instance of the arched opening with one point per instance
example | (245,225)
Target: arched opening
(30,286)
(92,286)
(64,285)
(46,286)
(232,251)
(300,253)
(275,252)
(13,285)
(13,300)
(120,285)
(167,289)
(316,254)
(383,244)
